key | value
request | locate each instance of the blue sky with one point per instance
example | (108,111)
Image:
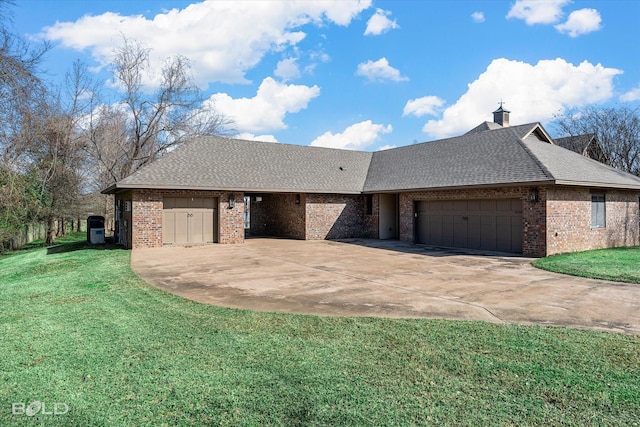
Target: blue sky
(364,75)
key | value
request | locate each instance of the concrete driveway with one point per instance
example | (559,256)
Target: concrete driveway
(361,277)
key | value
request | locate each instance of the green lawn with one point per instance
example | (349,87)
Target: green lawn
(79,328)
(617,264)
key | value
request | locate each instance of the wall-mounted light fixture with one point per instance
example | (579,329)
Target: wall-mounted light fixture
(297,199)
(533,195)
(232,201)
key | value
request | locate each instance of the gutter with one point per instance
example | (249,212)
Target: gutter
(112,189)
(598,185)
(465,187)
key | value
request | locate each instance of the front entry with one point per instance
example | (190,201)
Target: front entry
(189,220)
(494,225)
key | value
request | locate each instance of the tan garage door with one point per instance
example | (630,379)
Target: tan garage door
(188,220)
(494,225)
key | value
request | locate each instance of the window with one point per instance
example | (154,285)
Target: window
(369,204)
(598,211)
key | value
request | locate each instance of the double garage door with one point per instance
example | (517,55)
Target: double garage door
(188,220)
(494,225)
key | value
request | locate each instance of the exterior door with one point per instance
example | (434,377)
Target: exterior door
(388,225)
(494,225)
(188,220)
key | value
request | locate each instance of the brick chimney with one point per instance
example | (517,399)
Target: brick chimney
(501,116)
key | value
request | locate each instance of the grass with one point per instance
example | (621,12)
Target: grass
(78,327)
(617,264)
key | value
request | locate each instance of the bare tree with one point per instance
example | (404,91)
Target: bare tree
(20,86)
(617,130)
(57,151)
(20,92)
(144,125)
(57,162)
(141,124)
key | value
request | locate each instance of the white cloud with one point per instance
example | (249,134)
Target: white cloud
(266,110)
(379,23)
(425,106)
(580,22)
(223,39)
(477,17)
(355,137)
(251,137)
(379,70)
(387,147)
(532,93)
(632,95)
(287,69)
(538,11)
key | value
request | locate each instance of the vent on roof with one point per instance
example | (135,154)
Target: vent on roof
(501,116)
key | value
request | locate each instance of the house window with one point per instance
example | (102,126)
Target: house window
(368,201)
(598,211)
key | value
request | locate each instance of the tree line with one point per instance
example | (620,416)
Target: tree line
(61,144)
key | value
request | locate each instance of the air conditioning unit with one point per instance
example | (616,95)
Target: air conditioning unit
(96,236)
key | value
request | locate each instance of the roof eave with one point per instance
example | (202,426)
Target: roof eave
(110,189)
(513,184)
(465,187)
(116,187)
(599,184)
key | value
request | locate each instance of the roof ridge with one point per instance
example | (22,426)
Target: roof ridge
(288,144)
(537,161)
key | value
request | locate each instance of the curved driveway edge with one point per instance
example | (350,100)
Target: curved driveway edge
(362,277)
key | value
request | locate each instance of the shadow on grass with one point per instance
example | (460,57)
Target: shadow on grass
(80,246)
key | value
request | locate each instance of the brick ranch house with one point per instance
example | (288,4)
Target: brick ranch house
(497,187)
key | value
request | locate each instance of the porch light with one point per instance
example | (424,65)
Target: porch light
(297,199)
(232,201)
(533,195)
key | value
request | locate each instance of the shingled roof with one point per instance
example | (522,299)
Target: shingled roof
(213,163)
(492,157)
(586,144)
(568,167)
(576,143)
(486,156)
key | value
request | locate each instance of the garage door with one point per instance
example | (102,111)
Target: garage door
(494,225)
(188,220)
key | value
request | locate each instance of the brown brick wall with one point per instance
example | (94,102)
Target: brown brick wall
(534,223)
(334,216)
(146,221)
(230,221)
(146,227)
(533,213)
(559,222)
(569,220)
(372,221)
(278,215)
